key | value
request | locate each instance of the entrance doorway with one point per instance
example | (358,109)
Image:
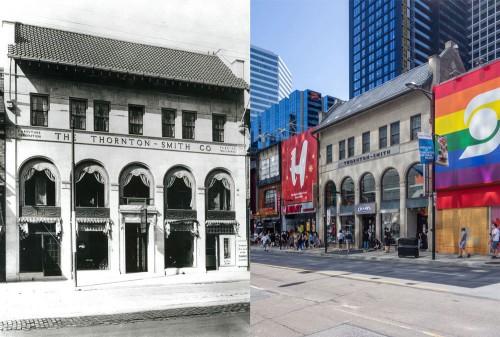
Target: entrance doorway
(136,248)
(211,252)
(41,250)
(369,225)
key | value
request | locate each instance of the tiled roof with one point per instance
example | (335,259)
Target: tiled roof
(68,48)
(377,96)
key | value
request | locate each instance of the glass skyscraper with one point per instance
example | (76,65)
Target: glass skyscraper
(485,31)
(388,38)
(290,116)
(270,80)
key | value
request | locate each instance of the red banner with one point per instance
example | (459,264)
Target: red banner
(299,168)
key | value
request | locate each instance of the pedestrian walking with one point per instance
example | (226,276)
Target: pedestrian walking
(463,242)
(348,238)
(366,241)
(495,236)
(266,241)
(387,240)
(340,239)
(311,240)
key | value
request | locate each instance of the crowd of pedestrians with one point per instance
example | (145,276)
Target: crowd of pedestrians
(289,240)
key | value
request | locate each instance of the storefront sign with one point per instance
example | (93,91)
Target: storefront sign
(369,156)
(242,252)
(368,208)
(115,140)
(299,169)
(426,147)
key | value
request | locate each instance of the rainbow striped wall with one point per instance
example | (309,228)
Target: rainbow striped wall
(468,114)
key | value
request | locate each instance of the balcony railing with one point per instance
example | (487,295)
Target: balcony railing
(136,201)
(36,211)
(221,215)
(92,212)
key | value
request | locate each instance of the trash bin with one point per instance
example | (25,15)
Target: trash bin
(408,247)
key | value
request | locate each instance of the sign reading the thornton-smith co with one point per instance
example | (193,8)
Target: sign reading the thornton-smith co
(368,156)
(115,140)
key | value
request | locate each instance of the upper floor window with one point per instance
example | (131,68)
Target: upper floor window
(78,111)
(270,199)
(329,157)
(135,119)
(395,133)
(366,142)
(350,147)
(168,123)
(341,149)
(382,137)
(415,124)
(101,116)
(188,124)
(218,128)
(39,110)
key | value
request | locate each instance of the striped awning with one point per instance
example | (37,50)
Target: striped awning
(25,220)
(221,222)
(222,227)
(184,225)
(106,222)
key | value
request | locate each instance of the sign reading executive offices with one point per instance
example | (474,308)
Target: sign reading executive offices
(368,156)
(150,143)
(299,168)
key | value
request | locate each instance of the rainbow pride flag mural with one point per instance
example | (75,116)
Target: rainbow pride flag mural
(468,114)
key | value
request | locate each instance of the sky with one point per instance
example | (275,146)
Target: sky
(312,38)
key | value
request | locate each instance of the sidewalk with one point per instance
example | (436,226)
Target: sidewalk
(102,292)
(425,257)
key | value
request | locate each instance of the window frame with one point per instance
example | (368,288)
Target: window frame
(98,118)
(82,118)
(168,117)
(366,142)
(186,127)
(218,128)
(45,114)
(342,152)
(414,130)
(382,141)
(329,153)
(395,136)
(350,146)
(140,124)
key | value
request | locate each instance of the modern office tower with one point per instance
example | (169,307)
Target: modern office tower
(388,38)
(290,116)
(484,31)
(270,80)
(327,102)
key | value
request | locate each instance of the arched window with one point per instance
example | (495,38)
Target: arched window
(367,188)
(90,185)
(270,199)
(347,192)
(38,181)
(415,182)
(390,185)
(180,189)
(136,186)
(219,192)
(330,195)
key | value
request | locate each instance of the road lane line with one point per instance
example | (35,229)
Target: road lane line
(355,277)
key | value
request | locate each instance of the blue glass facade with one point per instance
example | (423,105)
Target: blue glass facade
(388,38)
(292,115)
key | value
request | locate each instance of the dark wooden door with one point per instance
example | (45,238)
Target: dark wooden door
(136,248)
(51,256)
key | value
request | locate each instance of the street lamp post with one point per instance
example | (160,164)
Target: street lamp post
(431,97)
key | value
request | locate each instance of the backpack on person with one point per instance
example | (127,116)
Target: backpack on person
(348,236)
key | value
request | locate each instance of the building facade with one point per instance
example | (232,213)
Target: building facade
(468,187)
(270,79)
(127,154)
(370,175)
(484,37)
(2,177)
(388,38)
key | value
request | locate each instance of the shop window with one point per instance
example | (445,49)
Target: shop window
(180,190)
(78,112)
(367,188)
(179,248)
(39,110)
(92,250)
(101,116)
(415,182)
(90,184)
(40,250)
(168,123)
(188,124)
(135,119)
(218,128)
(219,193)
(390,185)
(39,188)
(391,223)
(330,195)
(347,192)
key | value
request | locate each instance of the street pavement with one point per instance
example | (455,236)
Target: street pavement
(425,256)
(103,297)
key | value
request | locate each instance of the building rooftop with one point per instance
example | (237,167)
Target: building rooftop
(387,91)
(74,49)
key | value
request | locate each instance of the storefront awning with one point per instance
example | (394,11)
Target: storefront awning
(184,225)
(25,220)
(222,227)
(220,222)
(104,222)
